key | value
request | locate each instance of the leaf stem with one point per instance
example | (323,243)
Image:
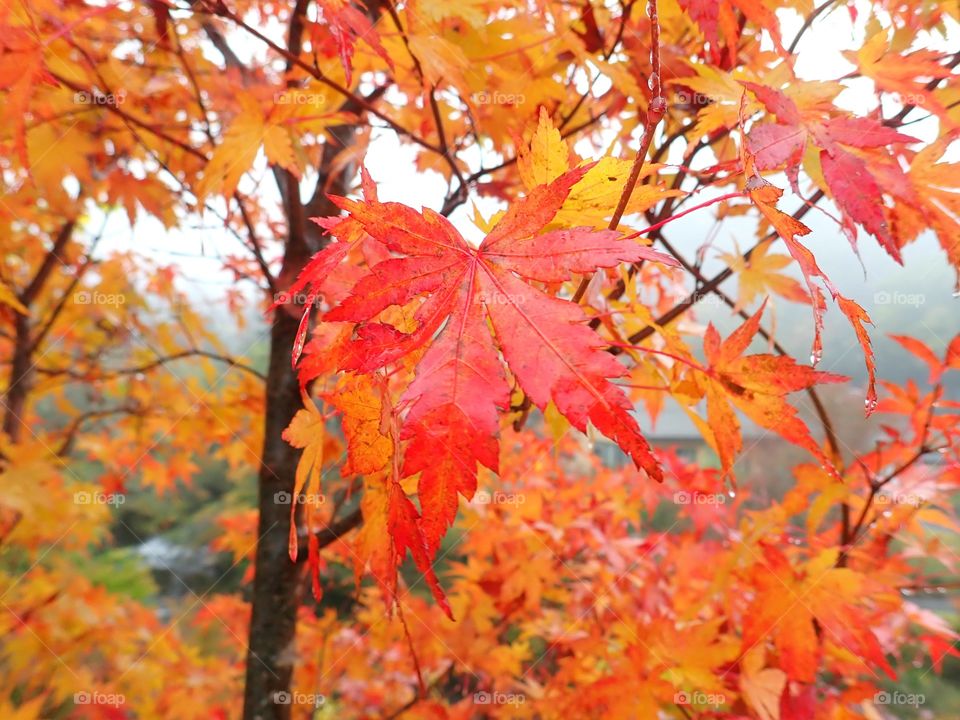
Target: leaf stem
(676,216)
(664,353)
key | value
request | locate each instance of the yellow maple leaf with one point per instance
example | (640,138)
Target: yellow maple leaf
(305,431)
(240,146)
(546,157)
(761,687)
(718,94)
(592,199)
(368,449)
(759,275)
(9,298)
(441,60)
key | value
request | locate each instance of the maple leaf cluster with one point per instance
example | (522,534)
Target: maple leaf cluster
(475,310)
(633,161)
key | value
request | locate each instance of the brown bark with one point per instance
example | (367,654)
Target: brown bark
(18,385)
(271,654)
(21,362)
(272,624)
(271,651)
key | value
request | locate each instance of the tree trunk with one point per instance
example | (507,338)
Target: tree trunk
(276,596)
(15,396)
(270,654)
(21,364)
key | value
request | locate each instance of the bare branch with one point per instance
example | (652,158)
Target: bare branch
(153,364)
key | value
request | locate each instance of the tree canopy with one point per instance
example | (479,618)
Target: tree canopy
(362,290)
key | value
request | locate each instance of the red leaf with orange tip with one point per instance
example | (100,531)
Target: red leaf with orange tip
(714,16)
(765,196)
(798,702)
(705,13)
(862,132)
(458,389)
(544,340)
(757,386)
(774,145)
(591,36)
(847,176)
(858,317)
(311,283)
(391,521)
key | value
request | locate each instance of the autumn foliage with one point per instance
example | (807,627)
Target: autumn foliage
(467,248)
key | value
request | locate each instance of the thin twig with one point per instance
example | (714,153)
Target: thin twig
(808,22)
(655,112)
(318,75)
(431,91)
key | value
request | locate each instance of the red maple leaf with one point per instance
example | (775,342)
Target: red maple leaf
(476,309)
(848,178)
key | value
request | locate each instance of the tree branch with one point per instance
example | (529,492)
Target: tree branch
(153,364)
(714,282)
(50,260)
(655,112)
(808,22)
(66,445)
(333,532)
(318,75)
